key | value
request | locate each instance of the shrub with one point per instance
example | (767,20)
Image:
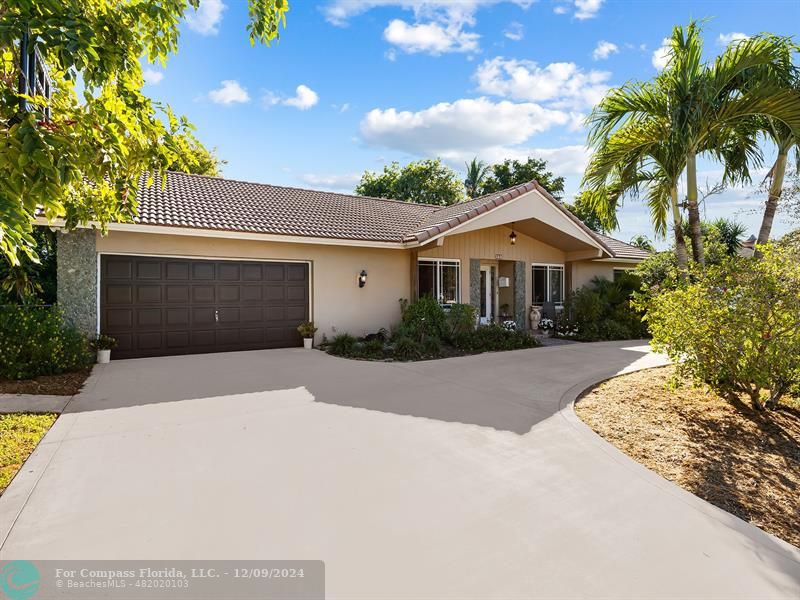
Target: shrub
(603,311)
(371,349)
(489,338)
(735,326)
(461,318)
(36,341)
(406,348)
(342,344)
(306,329)
(424,318)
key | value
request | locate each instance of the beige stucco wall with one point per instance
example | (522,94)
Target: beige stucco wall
(490,245)
(338,304)
(584,271)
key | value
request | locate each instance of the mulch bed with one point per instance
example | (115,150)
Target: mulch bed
(743,461)
(65,384)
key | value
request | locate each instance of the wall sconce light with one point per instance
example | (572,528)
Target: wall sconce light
(362,279)
(513,236)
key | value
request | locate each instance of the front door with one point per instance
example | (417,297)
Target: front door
(486,315)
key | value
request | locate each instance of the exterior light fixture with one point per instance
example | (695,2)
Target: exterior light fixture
(513,236)
(362,279)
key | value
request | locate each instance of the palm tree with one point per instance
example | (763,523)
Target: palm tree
(691,108)
(784,140)
(476,173)
(643,242)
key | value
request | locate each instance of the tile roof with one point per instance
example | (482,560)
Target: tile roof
(620,249)
(200,202)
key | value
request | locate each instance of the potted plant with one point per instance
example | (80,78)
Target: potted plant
(103,344)
(307,330)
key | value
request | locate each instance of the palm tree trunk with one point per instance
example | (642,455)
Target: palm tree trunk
(680,243)
(775,189)
(694,210)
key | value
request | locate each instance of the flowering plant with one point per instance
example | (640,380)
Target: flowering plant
(546,324)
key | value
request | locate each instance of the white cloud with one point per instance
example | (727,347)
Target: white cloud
(661,54)
(433,38)
(587,9)
(515,31)
(229,92)
(560,9)
(303,99)
(205,20)
(152,77)
(338,183)
(727,38)
(604,49)
(448,128)
(563,85)
(439,26)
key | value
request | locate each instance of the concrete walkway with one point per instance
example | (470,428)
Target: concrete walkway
(32,403)
(461,478)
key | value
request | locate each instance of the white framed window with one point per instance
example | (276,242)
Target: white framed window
(548,284)
(440,278)
(619,272)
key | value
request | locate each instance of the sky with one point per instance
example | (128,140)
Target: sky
(355,84)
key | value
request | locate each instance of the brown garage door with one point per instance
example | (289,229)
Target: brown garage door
(157,306)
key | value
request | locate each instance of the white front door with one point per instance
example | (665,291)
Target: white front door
(486,313)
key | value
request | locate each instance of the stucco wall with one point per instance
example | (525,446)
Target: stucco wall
(584,271)
(338,304)
(76,278)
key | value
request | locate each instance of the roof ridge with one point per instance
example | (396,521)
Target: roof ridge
(302,189)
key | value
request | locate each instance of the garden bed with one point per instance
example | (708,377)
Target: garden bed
(64,384)
(19,435)
(743,461)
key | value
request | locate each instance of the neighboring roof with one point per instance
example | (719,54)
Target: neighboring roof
(200,202)
(621,249)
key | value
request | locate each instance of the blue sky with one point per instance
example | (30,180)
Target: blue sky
(354,84)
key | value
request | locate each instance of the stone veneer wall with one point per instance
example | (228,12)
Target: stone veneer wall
(475,283)
(520,286)
(77,278)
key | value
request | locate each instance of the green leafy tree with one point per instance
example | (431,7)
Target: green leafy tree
(426,182)
(194,158)
(585,211)
(83,163)
(514,172)
(476,174)
(735,326)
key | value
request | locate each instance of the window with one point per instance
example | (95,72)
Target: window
(619,273)
(548,284)
(441,279)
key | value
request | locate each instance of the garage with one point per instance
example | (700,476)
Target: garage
(157,306)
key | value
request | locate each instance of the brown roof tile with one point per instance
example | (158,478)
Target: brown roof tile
(199,202)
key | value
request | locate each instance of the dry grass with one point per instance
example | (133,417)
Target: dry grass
(65,384)
(19,434)
(745,462)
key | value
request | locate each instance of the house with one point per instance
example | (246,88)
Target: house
(214,264)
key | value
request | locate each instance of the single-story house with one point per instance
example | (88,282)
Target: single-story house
(214,264)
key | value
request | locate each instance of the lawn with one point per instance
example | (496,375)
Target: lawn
(19,434)
(744,462)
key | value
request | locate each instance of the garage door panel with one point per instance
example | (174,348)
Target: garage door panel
(119,294)
(203,293)
(156,306)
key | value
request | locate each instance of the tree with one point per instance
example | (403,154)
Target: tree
(194,158)
(643,242)
(584,210)
(691,108)
(425,182)
(513,172)
(476,174)
(83,162)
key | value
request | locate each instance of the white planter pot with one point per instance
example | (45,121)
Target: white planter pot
(103,356)
(308,343)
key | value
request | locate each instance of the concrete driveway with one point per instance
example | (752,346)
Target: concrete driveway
(461,478)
